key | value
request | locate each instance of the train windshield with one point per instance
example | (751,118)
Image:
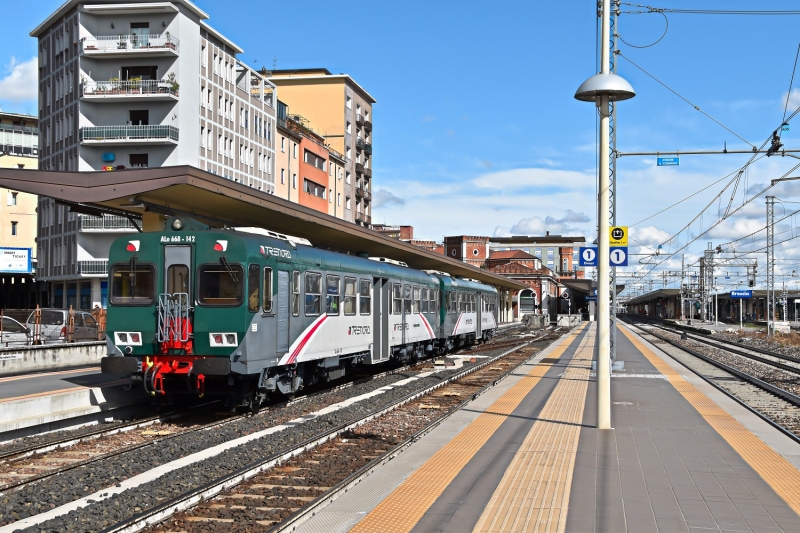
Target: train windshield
(220,285)
(132,284)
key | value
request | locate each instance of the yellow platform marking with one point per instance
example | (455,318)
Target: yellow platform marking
(779,473)
(403,508)
(534,492)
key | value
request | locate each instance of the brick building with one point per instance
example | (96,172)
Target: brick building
(469,249)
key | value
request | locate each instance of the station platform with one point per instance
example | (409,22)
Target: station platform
(526,456)
(46,401)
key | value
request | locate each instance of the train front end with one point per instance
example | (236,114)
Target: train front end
(154,332)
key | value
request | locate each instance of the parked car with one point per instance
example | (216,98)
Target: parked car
(54,326)
(13,333)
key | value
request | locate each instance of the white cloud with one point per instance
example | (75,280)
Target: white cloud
(794,100)
(539,226)
(509,180)
(21,81)
(384,198)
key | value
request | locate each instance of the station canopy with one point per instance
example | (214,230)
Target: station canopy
(220,202)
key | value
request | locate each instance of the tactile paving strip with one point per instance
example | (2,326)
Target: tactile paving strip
(534,492)
(776,471)
(404,507)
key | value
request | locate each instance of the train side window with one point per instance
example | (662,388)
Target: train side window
(449,302)
(296,293)
(434,300)
(220,285)
(364,298)
(349,296)
(312,293)
(415,300)
(407,299)
(397,299)
(423,300)
(332,295)
(267,305)
(253,287)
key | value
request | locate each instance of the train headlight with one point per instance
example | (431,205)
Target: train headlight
(223,339)
(177,224)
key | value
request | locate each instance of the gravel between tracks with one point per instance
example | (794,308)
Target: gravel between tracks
(74,485)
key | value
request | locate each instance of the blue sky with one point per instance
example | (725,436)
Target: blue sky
(476,128)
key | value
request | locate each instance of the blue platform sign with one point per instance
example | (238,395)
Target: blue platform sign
(742,294)
(587,257)
(591,298)
(618,256)
(669,161)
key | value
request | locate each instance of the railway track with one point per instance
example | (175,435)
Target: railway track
(62,470)
(289,484)
(760,387)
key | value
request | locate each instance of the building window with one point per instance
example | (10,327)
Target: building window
(12,199)
(13,228)
(294,181)
(283,144)
(283,176)
(347,202)
(348,102)
(216,69)
(294,150)
(347,178)
(138,160)
(349,153)
(314,189)
(339,199)
(203,55)
(349,127)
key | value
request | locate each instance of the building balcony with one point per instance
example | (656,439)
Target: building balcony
(130,45)
(359,168)
(368,125)
(359,192)
(368,172)
(361,144)
(105,223)
(151,134)
(93,268)
(359,217)
(359,119)
(368,220)
(127,91)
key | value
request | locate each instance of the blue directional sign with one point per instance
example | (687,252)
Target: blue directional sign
(669,161)
(742,294)
(618,256)
(587,257)
(591,298)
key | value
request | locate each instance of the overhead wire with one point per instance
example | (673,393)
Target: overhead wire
(791,82)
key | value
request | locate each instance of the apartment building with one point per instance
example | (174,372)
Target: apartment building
(19,148)
(137,84)
(404,233)
(341,111)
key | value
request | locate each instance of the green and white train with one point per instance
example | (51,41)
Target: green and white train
(249,313)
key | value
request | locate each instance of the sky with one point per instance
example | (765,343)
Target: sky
(477,132)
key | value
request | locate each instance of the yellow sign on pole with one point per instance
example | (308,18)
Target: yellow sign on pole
(618,236)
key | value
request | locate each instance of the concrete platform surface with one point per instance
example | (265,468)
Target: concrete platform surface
(526,456)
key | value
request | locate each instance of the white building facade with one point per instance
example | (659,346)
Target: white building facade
(138,84)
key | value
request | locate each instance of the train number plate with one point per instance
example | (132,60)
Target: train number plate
(173,239)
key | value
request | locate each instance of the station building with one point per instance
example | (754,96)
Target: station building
(19,148)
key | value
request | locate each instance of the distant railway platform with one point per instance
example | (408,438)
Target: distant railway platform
(525,456)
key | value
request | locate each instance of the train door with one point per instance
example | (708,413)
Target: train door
(478,315)
(283,312)
(406,311)
(177,269)
(381,299)
(174,322)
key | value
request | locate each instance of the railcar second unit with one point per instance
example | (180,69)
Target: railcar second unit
(247,314)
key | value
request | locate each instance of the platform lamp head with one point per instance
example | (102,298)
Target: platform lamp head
(605,84)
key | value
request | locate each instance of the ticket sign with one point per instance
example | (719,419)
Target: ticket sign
(618,236)
(15,260)
(742,294)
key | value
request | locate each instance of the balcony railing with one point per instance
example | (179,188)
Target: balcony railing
(368,219)
(368,125)
(132,88)
(129,133)
(121,43)
(97,267)
(359,168)
(359,192)
(359,217)
(368,172)
(359,119)
(107,222)
(11,128)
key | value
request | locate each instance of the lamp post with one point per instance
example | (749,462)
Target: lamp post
(601,89)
